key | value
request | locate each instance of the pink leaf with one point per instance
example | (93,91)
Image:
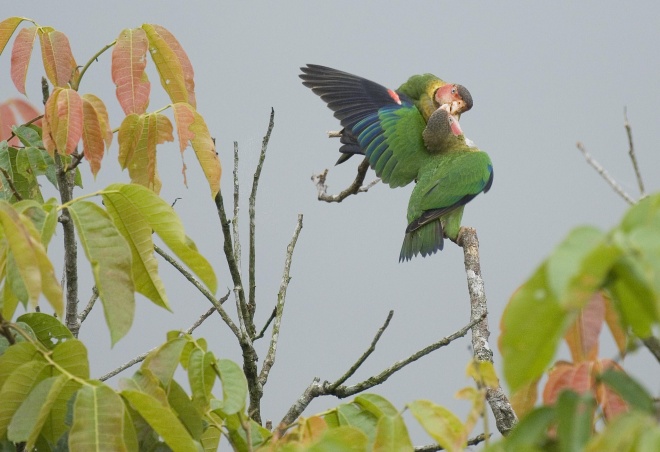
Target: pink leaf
(128,63)
(20,57)
(58,60)
(184,61)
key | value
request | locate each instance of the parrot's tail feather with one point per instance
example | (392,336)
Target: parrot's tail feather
(425,241)
(350,146)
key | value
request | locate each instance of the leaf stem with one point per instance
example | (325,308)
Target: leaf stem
(76,83)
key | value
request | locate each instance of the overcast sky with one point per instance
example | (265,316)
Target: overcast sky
(542,75)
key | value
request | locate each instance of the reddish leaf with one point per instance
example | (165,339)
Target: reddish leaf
(611,402)
(169,67)
(582,336)
(64,116)
(614,324)
(7,29)
(27,111)
(7,119)
(92,137)
(50,122)
(58,60)
(576,377)
(128,63)
(524,399)
(191,127)
(184,61)
(102,114)
(20,57)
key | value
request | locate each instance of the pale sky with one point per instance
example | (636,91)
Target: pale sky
(542,75)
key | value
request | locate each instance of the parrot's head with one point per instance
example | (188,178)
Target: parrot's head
(456,96)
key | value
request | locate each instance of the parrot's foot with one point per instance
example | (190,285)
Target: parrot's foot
(465,233)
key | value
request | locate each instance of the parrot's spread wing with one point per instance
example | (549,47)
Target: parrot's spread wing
(384,124)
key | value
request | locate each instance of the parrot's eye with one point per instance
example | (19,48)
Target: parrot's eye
(454,90)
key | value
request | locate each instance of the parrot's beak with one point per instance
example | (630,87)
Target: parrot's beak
(455,126)
(457,107)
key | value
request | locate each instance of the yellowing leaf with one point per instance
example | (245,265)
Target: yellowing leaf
(128,63)
(60,66)
(128,135)
(98,417)
(168,64)
(92,136)
(102,115)
(166,223)
(110,258)
(614,324)
(16,389)
(192,129)
(392,434)
(184,61)
(524,399)
(20,56)
(7,29)
(138,232)
(441,424)
(483,372)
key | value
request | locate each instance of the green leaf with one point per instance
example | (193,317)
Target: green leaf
(146,382)
(531,432)
(341,439)
(71,355)
(440,423)
(201,376)
(234,386)
(16,389)
(29,135)
(59,419)
(629,389)
(392,434)
(376,405)
(98,418)
(24,182)
(165,359)
(351,414)
(211,439)
(185,410)
(48,329)
(35,410)
(633,297)
(575,414)
(163,420)
(532,326)
(166,223)
(15,356)
(110,257)
(625,433)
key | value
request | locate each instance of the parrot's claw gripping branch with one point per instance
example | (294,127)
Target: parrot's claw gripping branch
(353,189)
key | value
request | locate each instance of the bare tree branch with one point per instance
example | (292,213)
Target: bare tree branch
(142,357)
(234,221)
(505,417)
(317,389)
(217,304)
(90,304)
(281,298)
(603,172)
(353,189)
(252,306)
(631,153)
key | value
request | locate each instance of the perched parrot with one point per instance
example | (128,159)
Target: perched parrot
(381,123)
(411,134)
(446,182)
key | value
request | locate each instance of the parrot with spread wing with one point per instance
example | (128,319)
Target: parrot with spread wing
(381,123)
(411,134)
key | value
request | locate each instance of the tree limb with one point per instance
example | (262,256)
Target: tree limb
(317,389)
(603,172)
(353,189)
(505,417)
(435,447)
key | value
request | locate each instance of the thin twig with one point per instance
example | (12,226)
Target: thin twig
(603,172)
(505,417)
(90,304)
(252,202)
(142,356)
(209,296)
(353,189)
(364,356)
(434,447)
(281,298)
(234,221)
(76,83)
(268,322)
(25,124)
(10,182)
(317,389)
(631,153)
(653,344)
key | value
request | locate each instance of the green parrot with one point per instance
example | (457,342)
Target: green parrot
(411,134)
(381,123)
(446,183)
